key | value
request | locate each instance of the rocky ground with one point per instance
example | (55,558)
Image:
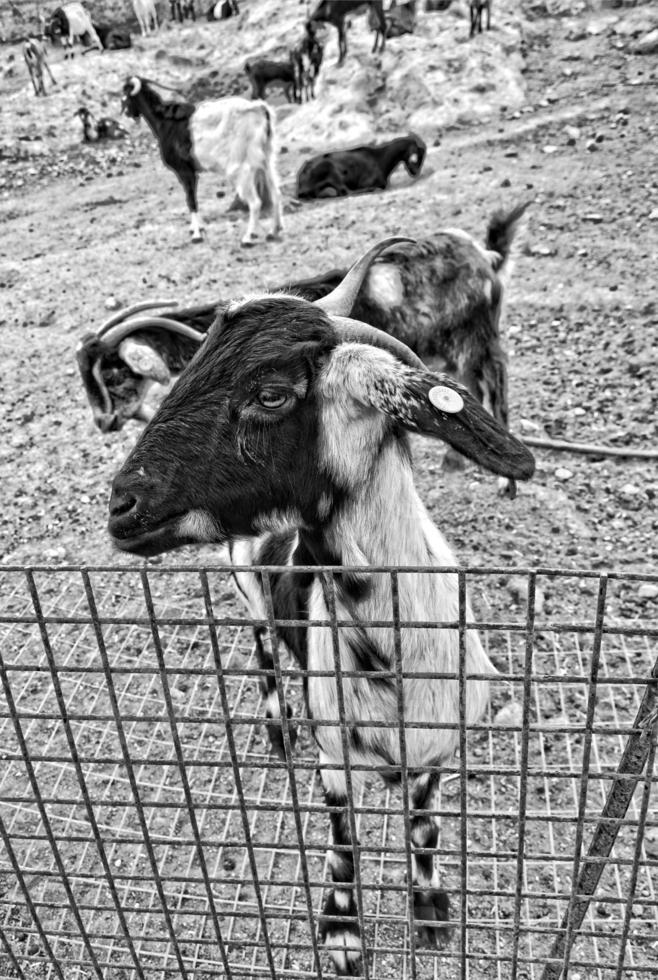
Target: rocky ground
(569,124)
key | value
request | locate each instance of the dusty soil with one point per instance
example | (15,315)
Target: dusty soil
(82,224)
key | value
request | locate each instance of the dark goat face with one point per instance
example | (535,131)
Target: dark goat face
(274,421)
(130,105)
(416,156)
(233,444)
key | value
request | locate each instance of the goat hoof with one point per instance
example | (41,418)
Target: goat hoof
(275,734)
(431,912)
(506,487)
(248,242)
(273,236)
(340,935)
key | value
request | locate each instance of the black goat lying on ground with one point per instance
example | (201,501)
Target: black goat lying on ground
(364,168)
(263,73)
(113,38)
(442,296)
(94,129)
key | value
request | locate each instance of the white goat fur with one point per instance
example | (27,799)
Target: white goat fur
(234,136)
(381,522)
(146,14)
(79,25)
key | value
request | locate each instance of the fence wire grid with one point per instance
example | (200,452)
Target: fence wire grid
(148,831)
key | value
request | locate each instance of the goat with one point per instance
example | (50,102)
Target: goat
(180,10)
(476,8)
(94,129)
(296,418)
(232,134)
(36,60)
(113,38)
(363,168)
(335,11)
(307,58)
(69,22)
(400,19)
(443,296)
(222,10)
(147,16)
(262,73)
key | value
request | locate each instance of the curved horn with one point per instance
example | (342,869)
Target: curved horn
(147,304)
(116,334)
(342,299)
(362,333)
(135,84)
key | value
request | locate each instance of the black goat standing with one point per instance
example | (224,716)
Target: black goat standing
(476,8)
(364,168)
(264,72)
(180,10)
(335,11)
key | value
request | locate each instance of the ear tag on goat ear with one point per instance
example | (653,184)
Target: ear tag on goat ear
(446,399)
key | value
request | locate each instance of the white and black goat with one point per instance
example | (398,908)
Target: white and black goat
(69,23)
(296,419)
(232,135)
(36,59)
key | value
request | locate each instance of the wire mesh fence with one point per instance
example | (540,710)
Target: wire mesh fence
(149,831)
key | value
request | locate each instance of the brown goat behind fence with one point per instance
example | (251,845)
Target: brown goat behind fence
(148,831)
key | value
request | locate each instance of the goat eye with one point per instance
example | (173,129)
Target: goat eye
(272,399)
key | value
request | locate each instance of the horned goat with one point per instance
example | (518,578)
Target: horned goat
(232,135)
(296,417)
(442,296)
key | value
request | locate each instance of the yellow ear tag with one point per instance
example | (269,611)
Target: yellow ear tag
(446,399)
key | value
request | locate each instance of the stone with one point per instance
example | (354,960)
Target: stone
(111,303)
(562,473)
(648,591)
(647,44)
(510,715)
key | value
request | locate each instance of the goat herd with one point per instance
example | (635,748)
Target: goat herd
(310,391)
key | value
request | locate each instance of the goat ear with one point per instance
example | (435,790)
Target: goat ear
(436,405)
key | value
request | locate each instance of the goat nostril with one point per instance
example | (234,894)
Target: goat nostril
(121,504)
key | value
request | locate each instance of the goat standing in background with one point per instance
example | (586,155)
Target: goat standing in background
(147,16)
(94,129)
(36,60)
(232,135)
(335,11)
(476,8)
(296,418)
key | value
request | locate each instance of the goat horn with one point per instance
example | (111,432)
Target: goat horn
(342,299)
(135,84)
(362,333)
(147,304)
(116,334)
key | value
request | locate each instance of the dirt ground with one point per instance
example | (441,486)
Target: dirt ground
(85,224)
